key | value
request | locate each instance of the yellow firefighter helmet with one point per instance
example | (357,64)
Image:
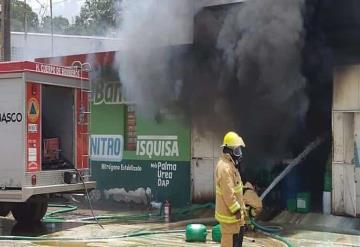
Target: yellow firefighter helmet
(232,139)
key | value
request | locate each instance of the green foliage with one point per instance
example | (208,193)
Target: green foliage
(18,10)
(97,17)
(61,25)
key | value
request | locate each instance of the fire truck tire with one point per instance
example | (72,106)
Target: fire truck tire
(4,209)
(30,211)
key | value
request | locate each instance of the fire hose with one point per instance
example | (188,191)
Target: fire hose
(51,217)
(272,231)
(291,165)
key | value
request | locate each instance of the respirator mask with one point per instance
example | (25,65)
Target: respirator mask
(237,155)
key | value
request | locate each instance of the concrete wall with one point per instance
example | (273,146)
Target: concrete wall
(35,45)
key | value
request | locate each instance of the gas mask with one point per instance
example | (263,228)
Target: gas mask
(237,155)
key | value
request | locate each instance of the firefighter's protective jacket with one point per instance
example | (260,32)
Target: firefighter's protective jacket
(229,195)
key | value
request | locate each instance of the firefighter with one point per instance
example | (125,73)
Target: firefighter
(230,208)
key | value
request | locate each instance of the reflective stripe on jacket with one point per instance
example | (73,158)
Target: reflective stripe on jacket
(229,195)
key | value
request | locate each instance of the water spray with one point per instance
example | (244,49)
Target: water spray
(292,164)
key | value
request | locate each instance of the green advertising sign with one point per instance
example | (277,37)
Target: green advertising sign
(137,158)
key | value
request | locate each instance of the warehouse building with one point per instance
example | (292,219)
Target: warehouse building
(166,158)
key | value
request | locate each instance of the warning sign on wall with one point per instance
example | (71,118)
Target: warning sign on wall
(33,110)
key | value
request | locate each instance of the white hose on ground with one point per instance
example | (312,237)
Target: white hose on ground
(291,165)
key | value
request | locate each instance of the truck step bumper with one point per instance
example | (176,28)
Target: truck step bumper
(25,193)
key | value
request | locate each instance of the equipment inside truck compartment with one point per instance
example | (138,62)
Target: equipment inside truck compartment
(57,127)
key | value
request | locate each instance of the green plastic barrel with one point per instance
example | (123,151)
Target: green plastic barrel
(196,233)
(291,204)
(327,181)
(216,233)
(303,202)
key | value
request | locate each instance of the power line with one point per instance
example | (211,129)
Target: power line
(41,9)
(5,46)
(58,2)
(44,8)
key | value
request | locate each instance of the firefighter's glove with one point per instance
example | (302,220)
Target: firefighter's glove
(238,214)
(252,212)
(252,199)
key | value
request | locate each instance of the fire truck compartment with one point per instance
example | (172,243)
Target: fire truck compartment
(43,131)
(57,127)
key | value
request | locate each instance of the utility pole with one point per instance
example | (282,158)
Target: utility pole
(25,23)
(5,47)
(52,29)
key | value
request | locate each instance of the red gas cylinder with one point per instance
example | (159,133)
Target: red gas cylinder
(167,208)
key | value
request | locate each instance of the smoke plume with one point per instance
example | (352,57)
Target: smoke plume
(149,28)
(261,45)
(242,72)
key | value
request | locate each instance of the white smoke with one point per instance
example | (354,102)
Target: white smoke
(149,27)
(68,9)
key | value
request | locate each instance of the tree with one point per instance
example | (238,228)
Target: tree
(61,24)
(18,9)
(97,17)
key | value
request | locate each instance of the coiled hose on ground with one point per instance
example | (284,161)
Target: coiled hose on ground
(272,231)
(52,217)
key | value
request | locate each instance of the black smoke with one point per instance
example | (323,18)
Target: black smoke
(260,68)
(263,69)
(245,75)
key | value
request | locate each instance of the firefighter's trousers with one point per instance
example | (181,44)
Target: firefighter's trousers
(233,240)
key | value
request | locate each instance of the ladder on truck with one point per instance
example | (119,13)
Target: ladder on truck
(85,113)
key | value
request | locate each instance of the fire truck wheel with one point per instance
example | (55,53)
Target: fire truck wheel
(4,209)
(32,210)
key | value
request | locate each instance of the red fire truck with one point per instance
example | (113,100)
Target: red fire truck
(44,125)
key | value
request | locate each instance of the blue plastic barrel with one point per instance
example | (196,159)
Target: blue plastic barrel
(291,185)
